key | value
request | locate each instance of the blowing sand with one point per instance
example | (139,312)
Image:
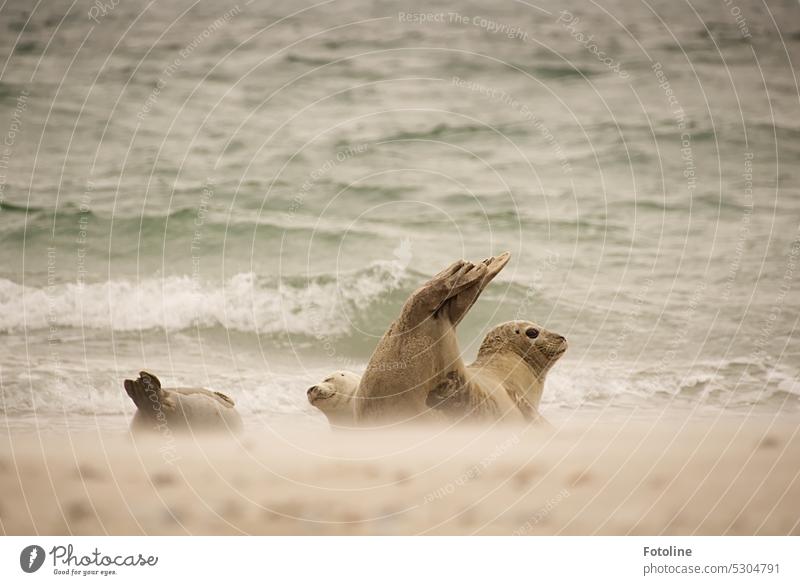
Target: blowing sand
(728,476)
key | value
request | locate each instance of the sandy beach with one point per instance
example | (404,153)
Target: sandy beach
(733,475)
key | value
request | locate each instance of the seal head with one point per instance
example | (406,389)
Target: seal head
(538,347)
(334,397)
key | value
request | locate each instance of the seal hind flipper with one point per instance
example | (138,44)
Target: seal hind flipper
(149,378)
(433,296)
(466,278)
(145,391)
(226,399)
(460,304)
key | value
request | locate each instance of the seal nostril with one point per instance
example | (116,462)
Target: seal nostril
(311,390)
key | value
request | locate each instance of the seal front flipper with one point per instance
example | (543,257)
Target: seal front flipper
(450,396)
(145,392)
(529,413)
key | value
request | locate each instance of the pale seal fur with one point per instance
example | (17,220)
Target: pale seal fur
(334,397)
(179,408)
(416,372)
(506,380)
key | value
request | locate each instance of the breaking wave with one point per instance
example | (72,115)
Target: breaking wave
(245,302)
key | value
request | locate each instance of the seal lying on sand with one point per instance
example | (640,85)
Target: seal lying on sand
(334,397)
(179,409)
(416,372)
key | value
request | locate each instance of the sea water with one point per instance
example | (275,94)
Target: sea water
(242,195)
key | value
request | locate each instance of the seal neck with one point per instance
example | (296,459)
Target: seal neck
(342,419)
(521,378)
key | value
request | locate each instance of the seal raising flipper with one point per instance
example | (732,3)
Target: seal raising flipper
(420,351)
(416,372)
(460,304)
(453,291)
(178,409)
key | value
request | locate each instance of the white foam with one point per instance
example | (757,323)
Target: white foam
(734,383)
(244,302)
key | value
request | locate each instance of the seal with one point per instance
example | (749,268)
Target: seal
(506,380)
(179,409)
(334,397)
(432,382)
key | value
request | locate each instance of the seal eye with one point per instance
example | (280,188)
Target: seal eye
(532,333)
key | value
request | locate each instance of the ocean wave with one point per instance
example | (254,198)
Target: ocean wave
(246,302)
(315,61)
(74,389)
(33,224)
(740,383)
(7,207)
(556,71)
(442,130)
